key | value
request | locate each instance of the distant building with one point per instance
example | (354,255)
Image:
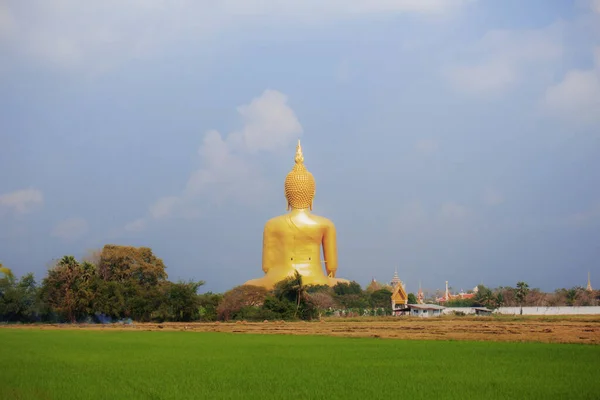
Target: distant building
(482,311)
(461,295)
(373,286)
(399,296)
(589,285)
(396,279)
(425,310)
(420,295)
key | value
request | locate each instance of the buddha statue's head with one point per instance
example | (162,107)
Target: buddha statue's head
(299,184)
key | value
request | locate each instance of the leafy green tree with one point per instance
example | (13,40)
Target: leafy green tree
(110,301)
(381,298)
(319,289)
(571,295)
(181,301)
(293,289)
(64,288)
(499,300)
(412,299)
(521,293)
(18,299)
(276,308)
(207,306)
(484,296)
(342,288)
(353,301)
(461,303)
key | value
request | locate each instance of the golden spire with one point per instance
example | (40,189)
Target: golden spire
(299,184)
(299,156)
(396,279)
(589,285)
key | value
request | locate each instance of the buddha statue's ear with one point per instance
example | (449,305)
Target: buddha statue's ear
(288,206)
(311,204)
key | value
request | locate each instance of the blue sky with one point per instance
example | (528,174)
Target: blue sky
(452,140)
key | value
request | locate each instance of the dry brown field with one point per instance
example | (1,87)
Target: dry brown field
(555,329)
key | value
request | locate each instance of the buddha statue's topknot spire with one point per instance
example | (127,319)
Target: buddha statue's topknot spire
(299,183)
(299,156)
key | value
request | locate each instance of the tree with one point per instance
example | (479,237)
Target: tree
(123,263)
(322,301)
(484,296)
(499,300)
(18,298)
(69,287)
(342,288)
(571,296)
(239,297)
(292,289)
(207,306)
(381,298)
(181,301)
(319,288)
(412,299)
(373,286)
(521,293)
(458,302)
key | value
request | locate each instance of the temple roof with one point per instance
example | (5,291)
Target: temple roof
(399,294)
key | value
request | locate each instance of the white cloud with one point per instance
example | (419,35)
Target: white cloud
(136,226)
(585,217)
(415,216)
(269,123)
(502,59)
(70,229)
(577,97)
(343,72)
(164,207)
(489,76)
(453,211)
(411,215)
(316,9)
(99,34)
(595,6)
(419,223)
(229,172)
(21,201)
(492,197)
(426,146)
(7,22)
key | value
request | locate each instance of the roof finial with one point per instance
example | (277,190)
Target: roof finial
(299,157)
(589,285)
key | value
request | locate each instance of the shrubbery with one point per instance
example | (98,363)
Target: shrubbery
(129,283)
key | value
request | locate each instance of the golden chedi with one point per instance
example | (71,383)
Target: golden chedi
(292,242)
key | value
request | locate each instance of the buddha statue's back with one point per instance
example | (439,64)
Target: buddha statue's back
(293,241)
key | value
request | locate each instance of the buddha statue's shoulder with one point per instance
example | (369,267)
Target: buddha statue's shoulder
(275,221)
(321,220)
(285,219)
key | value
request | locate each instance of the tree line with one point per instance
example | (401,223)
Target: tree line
(523,296)
(124,283)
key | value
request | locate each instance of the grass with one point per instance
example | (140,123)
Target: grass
(70,364)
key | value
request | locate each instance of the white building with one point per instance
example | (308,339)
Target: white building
(425,310)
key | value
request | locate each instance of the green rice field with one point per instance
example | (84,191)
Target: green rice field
(95,364)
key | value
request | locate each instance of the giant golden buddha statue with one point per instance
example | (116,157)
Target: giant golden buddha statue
(292,242)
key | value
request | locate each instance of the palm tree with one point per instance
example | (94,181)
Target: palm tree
(521,293)
(293,289)
(68,266)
